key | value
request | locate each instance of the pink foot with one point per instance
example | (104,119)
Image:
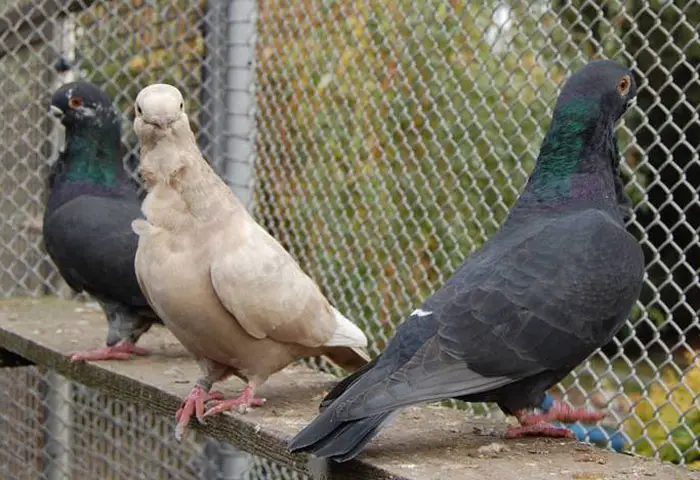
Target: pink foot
(122,351)
(539,430)
(561,412)
(245,400)
(193,403)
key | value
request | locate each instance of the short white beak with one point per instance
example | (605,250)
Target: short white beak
(160,122)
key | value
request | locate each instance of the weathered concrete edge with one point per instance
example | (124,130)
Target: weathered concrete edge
(236,430)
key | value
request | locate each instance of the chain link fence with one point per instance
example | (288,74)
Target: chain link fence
(53,428)
(380,142)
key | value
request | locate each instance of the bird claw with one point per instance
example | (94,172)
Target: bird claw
(198,396)
(539,430)
(562,412)
(242,403)
(193,404)
(536,425)
(123,351)
(134,350)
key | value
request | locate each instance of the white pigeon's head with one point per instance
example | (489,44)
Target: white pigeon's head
(159,108)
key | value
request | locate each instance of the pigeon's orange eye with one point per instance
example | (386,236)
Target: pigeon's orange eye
(623,85)
(75,102)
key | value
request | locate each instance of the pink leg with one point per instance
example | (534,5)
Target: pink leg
(561,412)
(242,402)
(539,430)
(122,351)
(193,404)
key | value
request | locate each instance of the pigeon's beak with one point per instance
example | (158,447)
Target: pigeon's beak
(56,112)
(160,122)
(163,122)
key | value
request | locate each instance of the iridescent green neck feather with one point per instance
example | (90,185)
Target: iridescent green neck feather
(560,155)
(93,155)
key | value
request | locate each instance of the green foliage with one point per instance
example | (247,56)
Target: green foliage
(668,416)
(387,151)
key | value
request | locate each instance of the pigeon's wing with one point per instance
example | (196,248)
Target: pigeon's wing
(266,290)
(91,242)
(546,301)
(534,299)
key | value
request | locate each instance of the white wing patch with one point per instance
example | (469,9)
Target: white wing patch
(420,313)
(347,334)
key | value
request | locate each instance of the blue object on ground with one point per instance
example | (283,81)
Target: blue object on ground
(547,402)
(598,435)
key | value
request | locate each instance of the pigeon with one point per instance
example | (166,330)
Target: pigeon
(87,222)
(232,295)
(552,285)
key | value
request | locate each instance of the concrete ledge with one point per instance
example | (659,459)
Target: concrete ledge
(426,442)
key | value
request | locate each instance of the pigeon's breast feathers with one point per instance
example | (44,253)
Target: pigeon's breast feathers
(177,164)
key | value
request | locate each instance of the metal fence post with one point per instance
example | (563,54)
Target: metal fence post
(240,99)
(211,115)
(58,415)
(58,399)
(238,167)
(239,150)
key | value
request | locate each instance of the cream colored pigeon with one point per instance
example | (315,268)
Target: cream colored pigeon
(226,288)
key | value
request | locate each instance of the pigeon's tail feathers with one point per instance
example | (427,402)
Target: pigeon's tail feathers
(349,358)
(339,441)
(344,384)
(328,436)
(346,333)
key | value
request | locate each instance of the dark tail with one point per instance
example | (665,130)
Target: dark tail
(339,441)
(328,437)
(344,384)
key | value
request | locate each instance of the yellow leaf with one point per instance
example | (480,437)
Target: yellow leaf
(529,61)
(644,409)
(325,81)
(668,415)
(346,57)
(137,63)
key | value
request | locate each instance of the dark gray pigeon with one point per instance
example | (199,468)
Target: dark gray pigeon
(555,283)
(87,222)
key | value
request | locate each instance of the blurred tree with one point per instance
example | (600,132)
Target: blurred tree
(395,135)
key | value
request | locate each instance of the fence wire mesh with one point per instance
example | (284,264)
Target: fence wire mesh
(53,428)
(381,142)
